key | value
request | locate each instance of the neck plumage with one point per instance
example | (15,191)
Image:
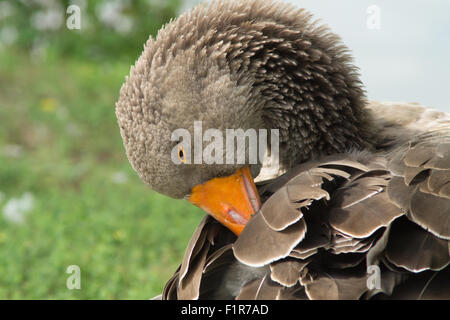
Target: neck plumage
(308,89)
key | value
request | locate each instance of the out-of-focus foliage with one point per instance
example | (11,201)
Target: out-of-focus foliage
(109,29)
(68,195)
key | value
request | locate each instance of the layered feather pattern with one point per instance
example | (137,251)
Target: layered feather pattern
(326,225)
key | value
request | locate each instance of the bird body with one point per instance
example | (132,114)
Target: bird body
(362,209)
(357,211)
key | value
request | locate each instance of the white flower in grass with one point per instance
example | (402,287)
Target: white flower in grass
(111,14)
(12,151)
(119,177)
(8,35)
(16,208)
(73,130)
(50,19)
(6,10)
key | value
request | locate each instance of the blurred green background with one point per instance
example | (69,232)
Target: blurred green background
(68,195)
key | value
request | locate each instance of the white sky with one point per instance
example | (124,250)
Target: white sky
(407,59)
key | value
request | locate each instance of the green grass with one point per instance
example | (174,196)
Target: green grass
(128,240)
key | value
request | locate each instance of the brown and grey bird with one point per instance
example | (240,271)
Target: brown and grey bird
(362,209)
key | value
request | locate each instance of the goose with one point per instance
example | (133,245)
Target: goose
(360,206)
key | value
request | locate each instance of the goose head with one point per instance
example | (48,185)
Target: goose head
(237,65)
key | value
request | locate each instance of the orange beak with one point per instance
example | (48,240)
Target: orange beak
(230,200)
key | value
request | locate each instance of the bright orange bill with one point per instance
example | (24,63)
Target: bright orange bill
(230,200)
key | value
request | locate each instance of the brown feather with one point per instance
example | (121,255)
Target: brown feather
(261,289)
(258,244)
(286,272)
(432,213)
(328,288)
(361,207)
(417,252)
(280,202)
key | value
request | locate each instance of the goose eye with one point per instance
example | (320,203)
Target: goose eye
(181,155)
